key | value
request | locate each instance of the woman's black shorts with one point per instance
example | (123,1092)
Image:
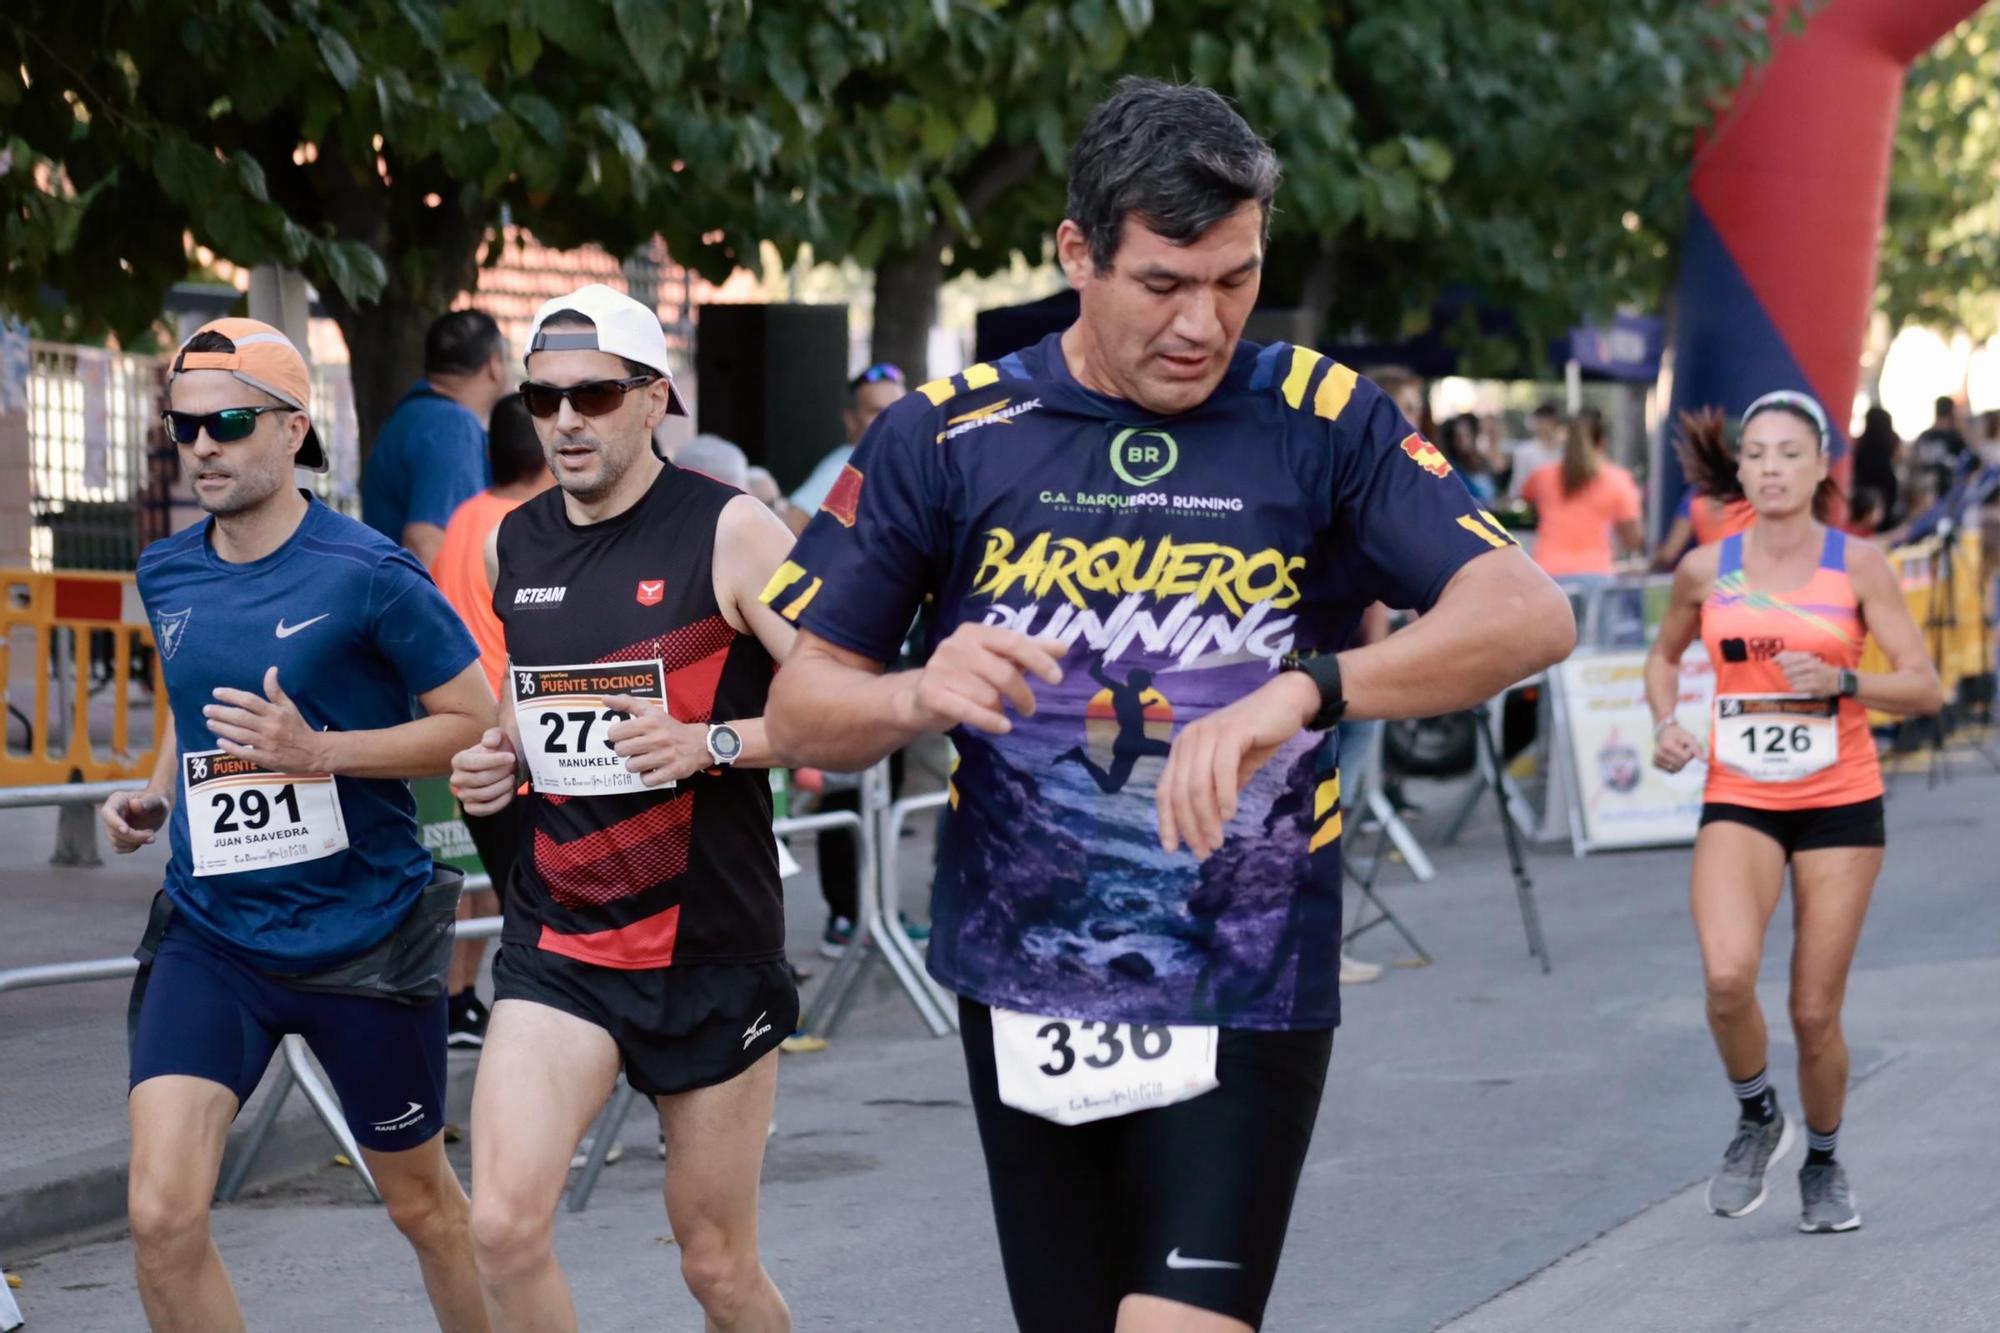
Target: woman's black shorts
(1810,829)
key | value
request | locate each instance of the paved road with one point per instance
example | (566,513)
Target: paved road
(1497,1150)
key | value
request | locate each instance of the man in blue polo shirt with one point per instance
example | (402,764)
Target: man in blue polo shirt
(298,898)
(430,456)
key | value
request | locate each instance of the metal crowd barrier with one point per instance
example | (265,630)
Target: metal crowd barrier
(877,935)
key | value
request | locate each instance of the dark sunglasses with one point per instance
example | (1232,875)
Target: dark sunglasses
(225,427)
(876,374)
(595,399)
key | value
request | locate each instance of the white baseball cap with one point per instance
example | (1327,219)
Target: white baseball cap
(620,326)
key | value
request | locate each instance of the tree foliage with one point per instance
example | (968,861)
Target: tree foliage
(1535,152)
(1941,240)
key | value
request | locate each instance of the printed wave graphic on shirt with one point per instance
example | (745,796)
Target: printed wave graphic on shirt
(1092,898)
(1186,605)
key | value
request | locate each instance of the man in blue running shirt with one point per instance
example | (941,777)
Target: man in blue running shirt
(1147,543)
(298,898)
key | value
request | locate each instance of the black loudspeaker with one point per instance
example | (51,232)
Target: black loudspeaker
(772,379)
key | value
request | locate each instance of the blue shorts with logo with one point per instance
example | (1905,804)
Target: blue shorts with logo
(211,1016)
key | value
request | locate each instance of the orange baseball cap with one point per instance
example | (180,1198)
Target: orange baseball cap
(263,358)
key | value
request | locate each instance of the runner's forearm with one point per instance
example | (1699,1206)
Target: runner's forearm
(1909,691)
(826,714)
(1499,622)
(757,752)
(165,782)
(421,748)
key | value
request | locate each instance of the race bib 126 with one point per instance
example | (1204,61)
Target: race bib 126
(565,727)
(1073,1070)
(244,817)
(1777,737)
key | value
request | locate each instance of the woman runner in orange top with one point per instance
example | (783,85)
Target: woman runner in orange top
(1784,609)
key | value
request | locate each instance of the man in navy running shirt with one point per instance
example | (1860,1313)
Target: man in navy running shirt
(1147,542)
(298,898)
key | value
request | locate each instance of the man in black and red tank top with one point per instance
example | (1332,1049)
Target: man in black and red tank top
(645,927)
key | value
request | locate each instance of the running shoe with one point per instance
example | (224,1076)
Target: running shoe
(467,1028)
(1354,972)
(1738,1189)
(1826,1200)
(839,933)
(582,1155)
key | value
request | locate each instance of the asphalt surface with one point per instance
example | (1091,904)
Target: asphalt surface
(1497,1150)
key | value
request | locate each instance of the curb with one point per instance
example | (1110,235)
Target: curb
(44,1208)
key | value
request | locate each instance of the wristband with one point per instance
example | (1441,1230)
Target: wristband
(1850,683)
(1324,672)
(1668,721)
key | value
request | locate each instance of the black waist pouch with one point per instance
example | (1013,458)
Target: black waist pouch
(410,966)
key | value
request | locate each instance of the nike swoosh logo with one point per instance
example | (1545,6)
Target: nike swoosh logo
(1175,1260)
(287,631)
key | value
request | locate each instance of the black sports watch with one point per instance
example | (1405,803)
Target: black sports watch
(1324,669)
(1850,683)
(725,744)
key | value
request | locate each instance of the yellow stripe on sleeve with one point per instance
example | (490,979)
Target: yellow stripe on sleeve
(1327,797)
(1498,527)
(788,573)
(1303,361)
(1473,526)
(937,391)
(1327,833)
(798,608)
(981,375)
(1334,391)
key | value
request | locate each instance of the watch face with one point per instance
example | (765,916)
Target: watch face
(725,743)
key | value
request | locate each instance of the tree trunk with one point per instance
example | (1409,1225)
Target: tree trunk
(385,350)
(1315,303)
(906,303)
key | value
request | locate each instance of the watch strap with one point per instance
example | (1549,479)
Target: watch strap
(1324,671)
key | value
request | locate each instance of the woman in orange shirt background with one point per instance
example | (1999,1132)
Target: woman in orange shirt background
(1784,609)
(1582,504)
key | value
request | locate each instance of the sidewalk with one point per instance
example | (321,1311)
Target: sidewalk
(1497,1150)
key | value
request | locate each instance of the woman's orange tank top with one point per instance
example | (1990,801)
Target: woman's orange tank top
(1745,629)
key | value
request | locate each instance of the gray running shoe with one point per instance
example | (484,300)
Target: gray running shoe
(1738,1189)
(1827,1200)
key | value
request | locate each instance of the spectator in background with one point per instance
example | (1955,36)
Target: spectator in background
(713,456)
(1865,512)
(1406,390)
(1989,437)
(1582,504)
(763,487)
(1941,451)
(1877,451)
(520,472)
(431,455)
(1461,447)
(867,395)
(1542,448)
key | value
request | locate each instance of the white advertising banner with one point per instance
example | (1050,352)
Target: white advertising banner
(1617,798)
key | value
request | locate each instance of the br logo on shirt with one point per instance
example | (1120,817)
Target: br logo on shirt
(651,591)
(172,628)
(1426,455)
(1142,457)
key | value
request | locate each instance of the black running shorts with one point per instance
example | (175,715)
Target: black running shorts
(677,1028)
(1808,830)
(1187,1202)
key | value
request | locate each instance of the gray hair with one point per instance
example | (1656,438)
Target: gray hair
(1177,157)
(715,457)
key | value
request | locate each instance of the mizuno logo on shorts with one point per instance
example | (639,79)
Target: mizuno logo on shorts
(758,1027)
(539,596)
(1175,1259)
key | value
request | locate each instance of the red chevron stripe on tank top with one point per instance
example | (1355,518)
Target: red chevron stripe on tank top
(651,847)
